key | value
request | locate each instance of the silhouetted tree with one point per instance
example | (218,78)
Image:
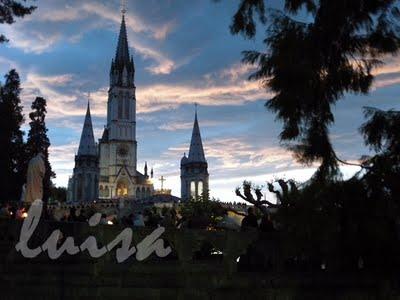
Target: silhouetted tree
(11,9)
(38,141)
(310,65)
(11,138)
(58,194)
(257,201)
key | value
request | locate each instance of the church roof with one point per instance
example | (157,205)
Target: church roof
(87,145)
(122,54)
(196,151)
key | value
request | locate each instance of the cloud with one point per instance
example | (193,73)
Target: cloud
(384,82)
(229,154)
(34,35)
(63,95)
(29,39)
(59,104)
(166,96)
(64,13)
(135,23)
(388,73)
(62,161)
(174,126)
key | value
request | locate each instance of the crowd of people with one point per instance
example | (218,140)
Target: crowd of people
(13,211)
(250,221)
(151,217)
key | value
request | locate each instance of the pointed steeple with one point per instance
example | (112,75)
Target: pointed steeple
(145,168)
(87,145)
(122,54)
(196,152)
(122,72)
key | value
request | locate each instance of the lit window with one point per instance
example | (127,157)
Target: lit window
(193,189)
(200,188)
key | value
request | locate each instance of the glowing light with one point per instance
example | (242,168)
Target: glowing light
(110,223)
(25,215)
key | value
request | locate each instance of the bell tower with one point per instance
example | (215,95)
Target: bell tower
(194,167)
(121,108)
(109,171)
(118,147)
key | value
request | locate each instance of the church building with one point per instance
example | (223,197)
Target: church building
(109,169)
(194,168)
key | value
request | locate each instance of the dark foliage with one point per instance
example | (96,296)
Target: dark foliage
(38,142)
(202,212)
(345,224)
(11,9)
(381,132)
(58,194)
(310,66)
(11,139)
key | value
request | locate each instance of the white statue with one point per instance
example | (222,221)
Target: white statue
(34,180)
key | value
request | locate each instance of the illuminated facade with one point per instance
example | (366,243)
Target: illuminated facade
(109,169)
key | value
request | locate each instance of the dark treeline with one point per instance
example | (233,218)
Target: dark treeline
(15,152)
(309,66)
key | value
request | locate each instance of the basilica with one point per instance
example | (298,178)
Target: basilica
(108,169)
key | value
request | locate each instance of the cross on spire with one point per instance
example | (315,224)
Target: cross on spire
(162,179)
(123,7)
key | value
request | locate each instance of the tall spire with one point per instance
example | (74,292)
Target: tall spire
(196,151)
(87,146)
(122,54)
(122,71)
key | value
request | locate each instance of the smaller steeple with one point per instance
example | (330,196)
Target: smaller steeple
(87,145)
(145,169)
(151,173)
(196,151)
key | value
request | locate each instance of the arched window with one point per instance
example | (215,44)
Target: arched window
(120,103)
(79,188)
(122,189)
(200,188)
(127,108)
(193,189)
(96,184)
(106,192)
